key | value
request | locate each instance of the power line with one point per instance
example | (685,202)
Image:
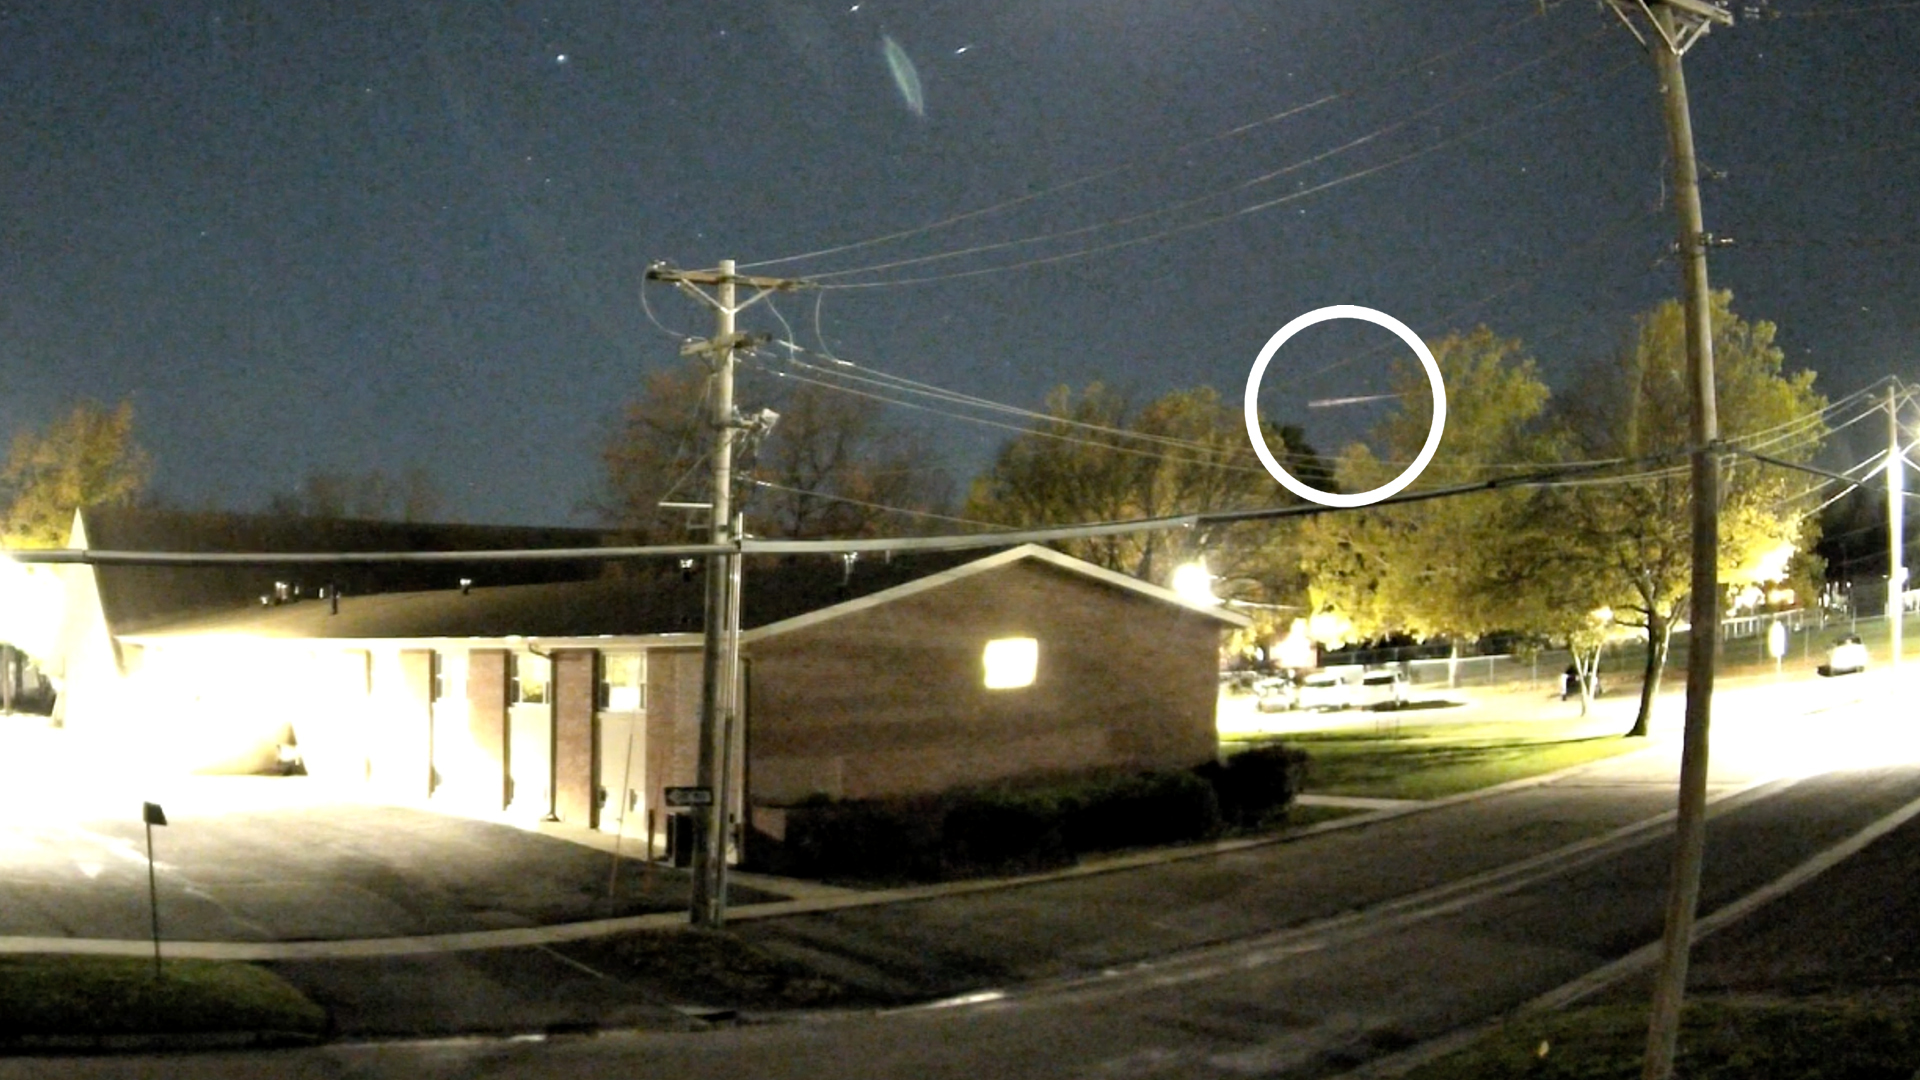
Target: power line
(1519,282)
(1552,99)
(872,505)
(1372,85)
(1244,185)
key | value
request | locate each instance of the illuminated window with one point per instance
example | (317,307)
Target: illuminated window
(527,678)
(1010,662)
(623,682)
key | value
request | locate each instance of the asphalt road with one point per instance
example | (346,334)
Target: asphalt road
(1363,942)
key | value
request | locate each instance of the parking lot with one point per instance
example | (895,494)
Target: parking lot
(281,859)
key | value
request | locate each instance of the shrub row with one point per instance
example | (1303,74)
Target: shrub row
(1256,786)
(1030,826)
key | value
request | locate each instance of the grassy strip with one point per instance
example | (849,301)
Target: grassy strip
(116,995)
(1299,817)
(716,968)
(1438,762)
(1726,1039)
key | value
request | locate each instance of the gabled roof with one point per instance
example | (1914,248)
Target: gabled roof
(993,562)
(139,597)
(780,594)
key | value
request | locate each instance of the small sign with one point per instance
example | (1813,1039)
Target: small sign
(1777,640)
(152,814)
(689,796)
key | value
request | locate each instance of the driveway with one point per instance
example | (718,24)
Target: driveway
(269,859)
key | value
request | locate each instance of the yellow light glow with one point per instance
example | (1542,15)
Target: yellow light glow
(1296,650)
(1329,628)
(1769,566)
(1194,583)
(32,607)
(1010,662)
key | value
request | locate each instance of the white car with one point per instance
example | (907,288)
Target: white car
(1847,656)
(1275,693)
(1382,689)
(1323,690)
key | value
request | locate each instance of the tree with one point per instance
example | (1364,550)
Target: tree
(653,453)
(1098,459)
(1636,533)
(411,496)
(86,458)
(832,466)
(1439,568)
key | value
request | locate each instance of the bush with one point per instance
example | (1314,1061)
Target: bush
(1000,829)
(1145,808)
(863,838)
(996,830)
(1255,785)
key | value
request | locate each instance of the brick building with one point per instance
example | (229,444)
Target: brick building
(577,697)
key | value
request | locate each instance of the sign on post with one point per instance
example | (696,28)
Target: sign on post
(689,796)
(151,815)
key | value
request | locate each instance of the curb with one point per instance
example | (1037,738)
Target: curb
(156,1042)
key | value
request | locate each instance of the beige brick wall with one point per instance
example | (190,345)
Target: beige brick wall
(673,724)
(891,699)
(576,745)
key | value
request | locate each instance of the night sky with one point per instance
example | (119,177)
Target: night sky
(346,237)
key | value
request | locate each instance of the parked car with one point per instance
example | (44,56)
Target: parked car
(1240,680)
(1323,690)
(1847,657)
(1275,693)
(1385,688)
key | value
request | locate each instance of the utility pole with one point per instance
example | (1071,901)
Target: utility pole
(1896,529)
(721,619)
(1675,26)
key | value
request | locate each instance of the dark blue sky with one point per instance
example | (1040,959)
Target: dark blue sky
(344,237)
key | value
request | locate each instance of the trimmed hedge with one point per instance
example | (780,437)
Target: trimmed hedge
(1257,785)
(1036,825)
(1163,807)
(1002,829)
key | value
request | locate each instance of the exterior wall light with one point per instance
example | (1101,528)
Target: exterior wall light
(1010,663)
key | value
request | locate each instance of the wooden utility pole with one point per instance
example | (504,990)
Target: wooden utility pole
(720,651)
(1896,529)
(1674,26)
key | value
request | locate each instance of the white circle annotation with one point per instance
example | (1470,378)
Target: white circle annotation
(1391,487)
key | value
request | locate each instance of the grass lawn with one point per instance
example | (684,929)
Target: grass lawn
(1721,1039)
(115,995)
(1299,817)
(1428,761)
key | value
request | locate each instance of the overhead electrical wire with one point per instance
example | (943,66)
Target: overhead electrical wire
(1519,282)
(1374,85)
(647,306)
(1218,193)
(1549,100)
(771,486)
